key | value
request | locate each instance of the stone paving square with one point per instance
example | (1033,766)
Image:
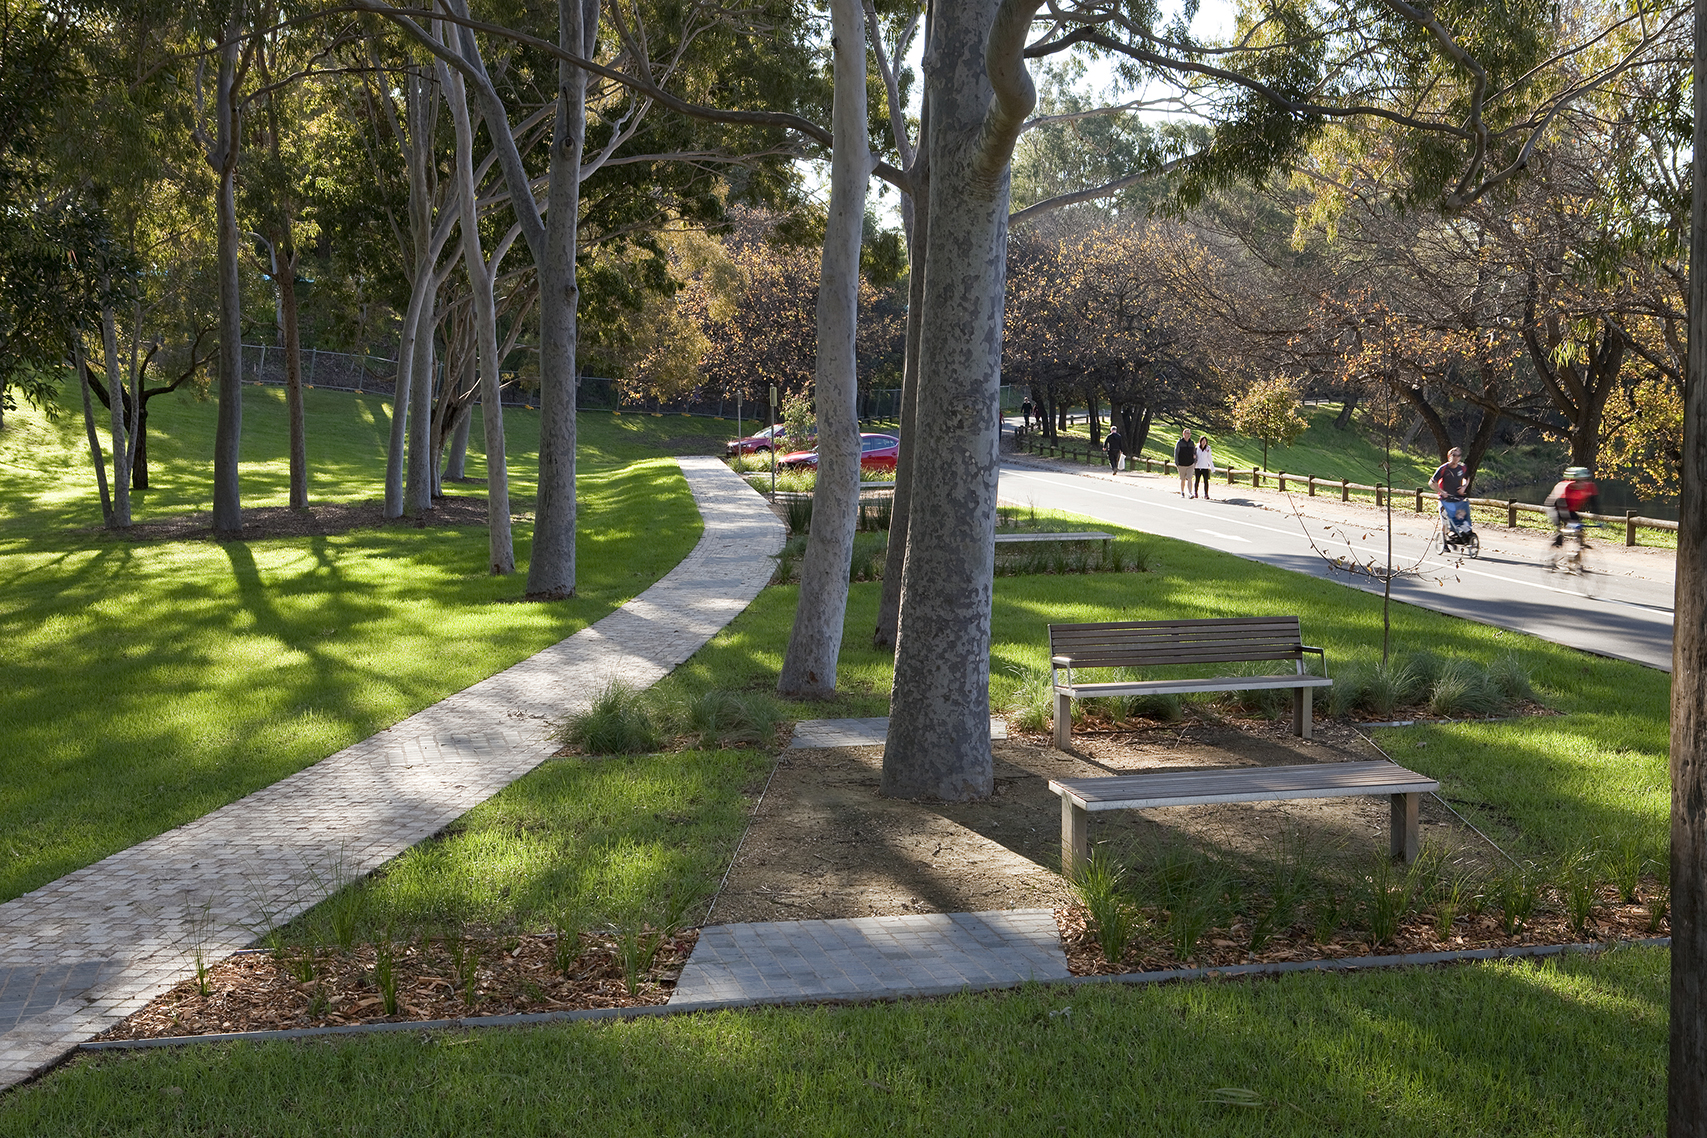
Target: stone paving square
(871,956)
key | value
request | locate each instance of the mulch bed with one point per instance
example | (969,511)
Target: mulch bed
(1151,951)
(261,991)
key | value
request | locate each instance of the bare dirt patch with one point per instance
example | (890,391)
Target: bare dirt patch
(322,520)
(823,844)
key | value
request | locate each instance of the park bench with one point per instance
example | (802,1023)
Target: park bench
(1080,797)
(1076,535)
(1157,643)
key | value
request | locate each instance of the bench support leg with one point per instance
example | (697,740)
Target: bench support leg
(1075,838)
(1302,698)
(1406,827)
(1063,720)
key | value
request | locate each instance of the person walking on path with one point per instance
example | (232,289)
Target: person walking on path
(1025,412)
(1204,467)
(1112,444)
(1185,460)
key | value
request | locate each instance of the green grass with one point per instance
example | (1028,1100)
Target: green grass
(1568,1049)
(150,682)
(1543,784)
(1321,451)
(583,842)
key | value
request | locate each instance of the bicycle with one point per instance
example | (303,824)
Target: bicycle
(1571,559)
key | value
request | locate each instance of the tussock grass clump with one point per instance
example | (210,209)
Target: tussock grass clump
(1445,686)
(719,718)
(621,721)
(1031,707)
(1100,889)
(1463,687)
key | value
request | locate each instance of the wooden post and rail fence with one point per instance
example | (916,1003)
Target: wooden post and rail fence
(1085,452)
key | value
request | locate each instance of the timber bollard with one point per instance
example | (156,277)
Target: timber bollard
(1312,486)
(1629,527)
(1511,513)
(1419,499)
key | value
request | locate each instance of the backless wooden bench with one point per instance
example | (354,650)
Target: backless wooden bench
(1080,797)
(1164,643)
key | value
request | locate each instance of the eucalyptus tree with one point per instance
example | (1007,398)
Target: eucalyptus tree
(550,230)
(815,640)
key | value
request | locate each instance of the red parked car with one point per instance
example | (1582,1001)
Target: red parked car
(762,441)
(876,452)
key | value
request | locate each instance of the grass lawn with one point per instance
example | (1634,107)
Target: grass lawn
(1567,1049)
(150,682)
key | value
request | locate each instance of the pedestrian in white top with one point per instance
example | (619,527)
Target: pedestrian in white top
(1204,468)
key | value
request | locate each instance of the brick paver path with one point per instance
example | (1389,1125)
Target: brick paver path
(81,953)
(920,954)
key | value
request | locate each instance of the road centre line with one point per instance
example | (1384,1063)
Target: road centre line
(1078,485)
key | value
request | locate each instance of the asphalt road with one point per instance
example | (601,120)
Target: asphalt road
(1627,616)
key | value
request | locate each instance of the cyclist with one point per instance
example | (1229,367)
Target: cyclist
(1575,495)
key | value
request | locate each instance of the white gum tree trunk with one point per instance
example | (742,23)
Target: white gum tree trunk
(501,555)
(809,667)
(551,568)
(979,95)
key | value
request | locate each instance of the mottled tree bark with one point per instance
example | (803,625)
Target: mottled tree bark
(1686,1114)
(939,725)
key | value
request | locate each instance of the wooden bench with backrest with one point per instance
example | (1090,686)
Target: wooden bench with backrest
(1168,643)
(1080,797)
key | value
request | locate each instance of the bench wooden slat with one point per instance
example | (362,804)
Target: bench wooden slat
(1080,797)
(1145,644)
(1077,535)
(1242,784)
(1186,686)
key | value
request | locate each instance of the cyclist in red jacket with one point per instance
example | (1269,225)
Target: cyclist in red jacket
(1575,495)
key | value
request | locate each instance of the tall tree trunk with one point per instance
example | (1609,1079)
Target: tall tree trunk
(939,725)
(228,427)
(418,111)
(120,517)
(900,516)
(500,546)
(1686,1108)
(551,569)
(418,480)
(285,279)
(95,455)
(456,451)
(815,642)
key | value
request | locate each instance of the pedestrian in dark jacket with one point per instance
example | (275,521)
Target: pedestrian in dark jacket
(1185,460)
(1112,445)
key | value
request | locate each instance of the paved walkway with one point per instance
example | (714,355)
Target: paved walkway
(923,954)
(83,952)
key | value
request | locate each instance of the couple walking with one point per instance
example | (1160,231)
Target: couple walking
(1195,462)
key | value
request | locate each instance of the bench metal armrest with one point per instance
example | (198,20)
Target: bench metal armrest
(1317,651)
(1058,662)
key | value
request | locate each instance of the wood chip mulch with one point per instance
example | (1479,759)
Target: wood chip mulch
(1151,950)
(261,991)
